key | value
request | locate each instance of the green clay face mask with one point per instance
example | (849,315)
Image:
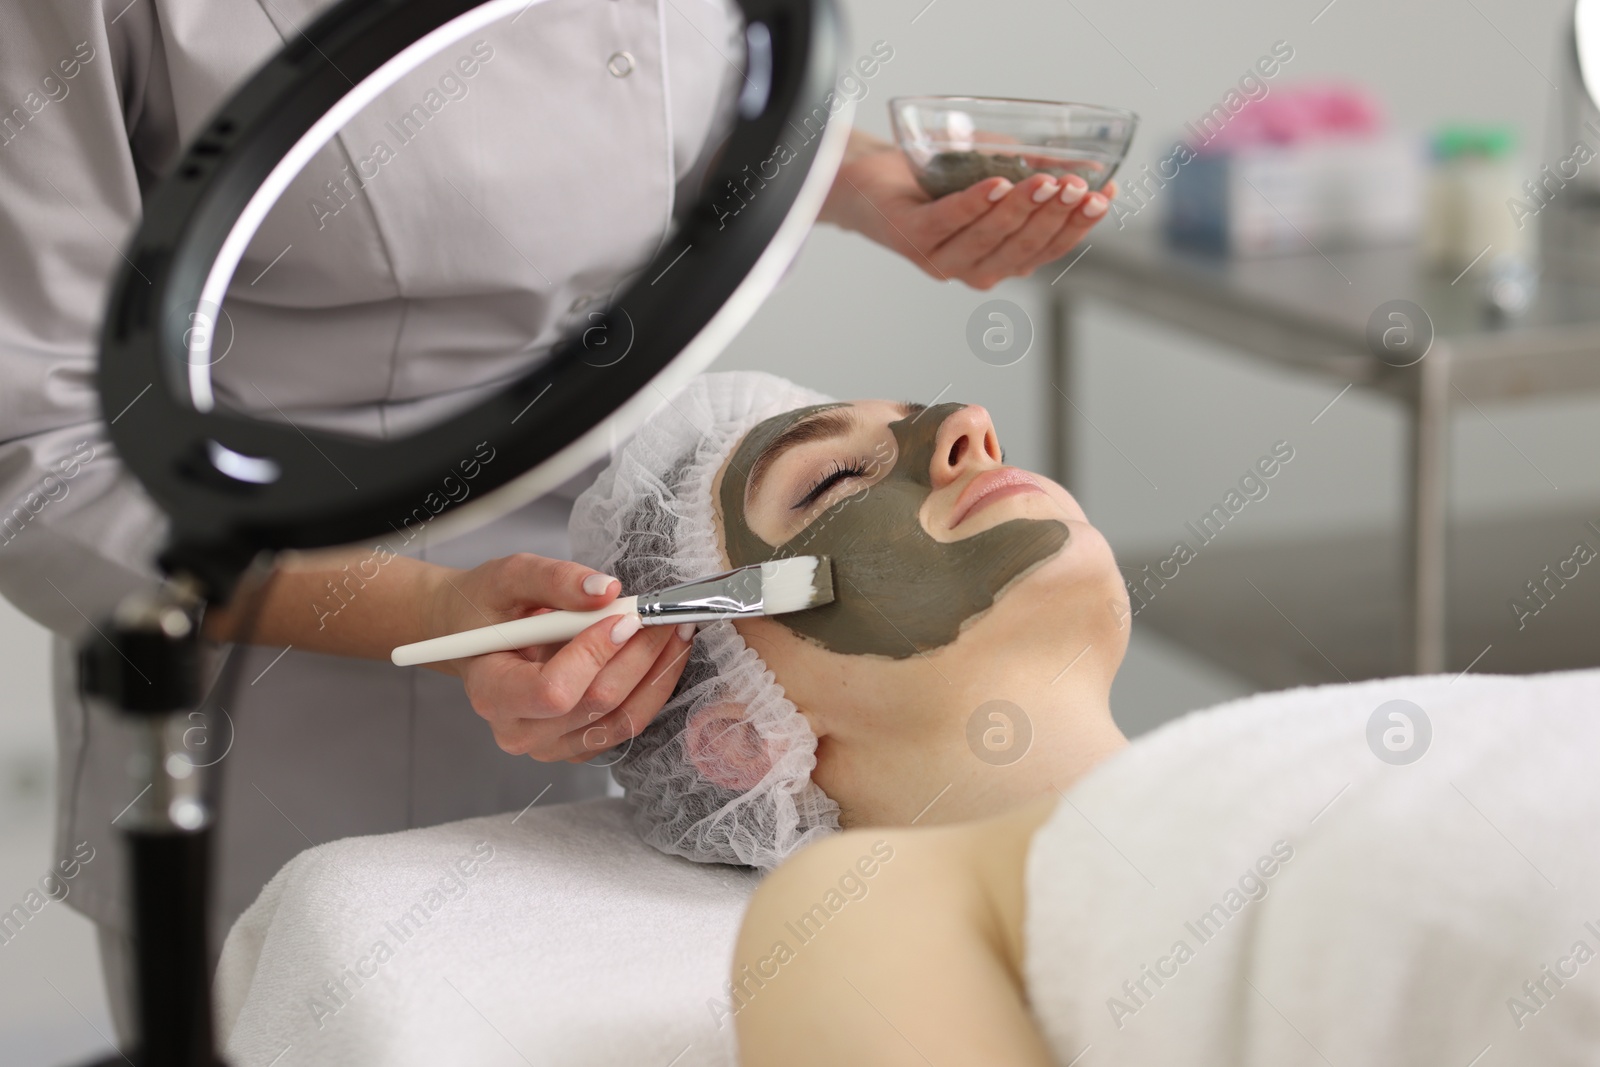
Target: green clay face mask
(897,591)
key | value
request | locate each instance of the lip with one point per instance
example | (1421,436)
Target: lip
(989,487)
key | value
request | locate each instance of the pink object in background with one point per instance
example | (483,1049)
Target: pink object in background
(1298,168)
(1294,114)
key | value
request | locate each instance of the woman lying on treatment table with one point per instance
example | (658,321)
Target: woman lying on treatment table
(1258,883)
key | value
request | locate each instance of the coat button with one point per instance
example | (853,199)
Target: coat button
(620,64)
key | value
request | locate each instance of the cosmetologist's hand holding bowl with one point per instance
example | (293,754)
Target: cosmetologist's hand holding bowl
(952,142)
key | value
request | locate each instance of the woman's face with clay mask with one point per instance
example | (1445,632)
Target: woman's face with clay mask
(924,523)
(926,526)
(957,579)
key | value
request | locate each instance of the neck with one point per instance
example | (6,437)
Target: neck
(984,746)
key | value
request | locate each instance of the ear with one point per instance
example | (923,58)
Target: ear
(725,748)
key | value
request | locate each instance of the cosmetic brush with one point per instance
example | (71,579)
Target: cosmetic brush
(773,588)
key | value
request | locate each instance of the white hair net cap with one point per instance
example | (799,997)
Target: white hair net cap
(648,521)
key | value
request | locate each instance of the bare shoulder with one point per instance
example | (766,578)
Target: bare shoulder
(882,941)
(970,864)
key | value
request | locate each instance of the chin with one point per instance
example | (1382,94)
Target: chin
(1082,574)
(1076,595)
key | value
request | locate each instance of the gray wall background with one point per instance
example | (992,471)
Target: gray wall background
(855,320)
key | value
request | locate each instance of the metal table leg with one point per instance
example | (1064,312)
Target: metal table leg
(1428,519)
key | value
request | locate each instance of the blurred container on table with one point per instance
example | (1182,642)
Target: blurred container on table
(1476,176)
(1307,164)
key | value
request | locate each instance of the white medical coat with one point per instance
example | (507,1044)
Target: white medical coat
(522,193)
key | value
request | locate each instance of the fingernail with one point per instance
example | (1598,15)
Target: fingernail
(1095,207)
(1072,190)
(1000,190)
(1044,192)
(596,584)
(686,631)
(625,628)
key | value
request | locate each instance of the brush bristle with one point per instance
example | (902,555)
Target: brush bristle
(796,584)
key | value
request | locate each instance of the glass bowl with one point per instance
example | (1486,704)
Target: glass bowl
(952,142)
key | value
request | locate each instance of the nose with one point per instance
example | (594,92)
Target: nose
(966,441)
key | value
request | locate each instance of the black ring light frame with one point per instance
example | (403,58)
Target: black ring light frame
(714,276)
(237,489)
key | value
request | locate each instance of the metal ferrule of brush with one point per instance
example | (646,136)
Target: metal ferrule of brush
(730,595)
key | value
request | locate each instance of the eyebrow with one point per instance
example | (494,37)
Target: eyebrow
(826,425)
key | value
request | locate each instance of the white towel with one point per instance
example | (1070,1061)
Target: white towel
(1446,911)
(553,937)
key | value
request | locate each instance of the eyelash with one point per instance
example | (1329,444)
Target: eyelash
(855,469)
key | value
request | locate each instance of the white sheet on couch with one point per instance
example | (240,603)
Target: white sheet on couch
(1417,902)
(553,937)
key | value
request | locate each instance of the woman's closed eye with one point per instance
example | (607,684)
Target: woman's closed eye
(817,460)
(839,473)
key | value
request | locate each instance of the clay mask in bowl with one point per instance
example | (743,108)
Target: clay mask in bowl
(952,142)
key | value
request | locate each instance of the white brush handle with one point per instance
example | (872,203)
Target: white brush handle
(543,629)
